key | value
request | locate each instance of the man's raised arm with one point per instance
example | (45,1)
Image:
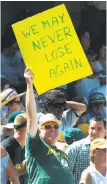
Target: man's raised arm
(31,109)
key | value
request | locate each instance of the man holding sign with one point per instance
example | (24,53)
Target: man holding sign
(45,163)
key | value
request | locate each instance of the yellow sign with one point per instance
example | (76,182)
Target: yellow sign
(50,46)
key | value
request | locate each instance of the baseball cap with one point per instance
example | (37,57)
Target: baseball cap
(99,143)
(20,121)
(73,134)
(47,118)
(9,126)
(9,95)
(13,115)
(96,97)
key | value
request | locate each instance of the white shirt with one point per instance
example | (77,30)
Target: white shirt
(97,177)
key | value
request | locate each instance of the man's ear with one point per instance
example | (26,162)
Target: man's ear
(106,133)
(9,106)
(39,128)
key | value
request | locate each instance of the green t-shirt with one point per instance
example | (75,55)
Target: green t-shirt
(46,165)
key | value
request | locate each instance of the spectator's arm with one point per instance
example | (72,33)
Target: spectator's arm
(78,107)
(12,174)
(86,178)
(31,109)
(22,171)
(11,171)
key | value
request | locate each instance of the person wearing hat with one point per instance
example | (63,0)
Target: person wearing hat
(96,173)
(73,134)
(10,102)
(15,145)
(96,106)
(8,129)
(79,151)
(45,163)
(7,168)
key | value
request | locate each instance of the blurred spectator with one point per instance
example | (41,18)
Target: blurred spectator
(101,89)
(15,145)
(12,116)
(4,84)
(73,134)
(84,36)
(10,102)
(7,169)
(96,173)
(94,18)
(78,152)
(12,66)
(101,64)
(102,56)
(8,130)
(96,106)
(90,82)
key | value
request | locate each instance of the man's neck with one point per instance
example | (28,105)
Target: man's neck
(101,169)
(20,140)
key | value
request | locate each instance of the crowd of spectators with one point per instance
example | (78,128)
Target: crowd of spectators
(59,136)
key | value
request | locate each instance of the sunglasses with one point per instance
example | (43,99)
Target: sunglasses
(59,105)
(17,102)
(101,149)
(13,101)
(47,127)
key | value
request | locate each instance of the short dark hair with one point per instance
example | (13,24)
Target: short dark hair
(98,119)
(81,31)
(52,95)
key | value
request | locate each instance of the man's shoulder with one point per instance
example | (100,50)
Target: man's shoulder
(79,145)
(9,141)
(84,141)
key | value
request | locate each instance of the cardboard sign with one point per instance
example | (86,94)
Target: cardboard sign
(50,46)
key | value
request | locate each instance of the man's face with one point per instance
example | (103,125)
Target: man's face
(7,132)
(103,52)
(16,105)
(13,49)
(98,108)
(85,41)
(58,107)
(97,130)
(49,132)
(100,157)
